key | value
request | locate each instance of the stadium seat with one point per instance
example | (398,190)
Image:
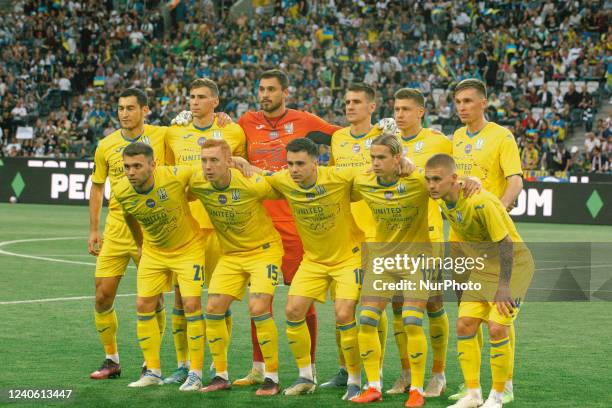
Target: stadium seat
(552,86)
(537,113)
(579,85)
(592,86)
(564,86)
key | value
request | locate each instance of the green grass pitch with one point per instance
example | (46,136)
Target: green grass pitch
(564,349)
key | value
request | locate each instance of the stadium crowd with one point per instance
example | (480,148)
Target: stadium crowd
(547,65)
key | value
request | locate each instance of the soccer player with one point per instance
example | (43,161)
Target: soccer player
(482,218)
(268,131)
(350,148)
(251,255)
(419,144)
(117,246)
(184,148)
(488,151)
(399,207)
(319,198)
(169,239)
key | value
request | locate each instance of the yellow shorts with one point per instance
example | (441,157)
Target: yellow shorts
(262,267)
(117,249)
(156,269)
(212,252)
(313,279)
(486,311)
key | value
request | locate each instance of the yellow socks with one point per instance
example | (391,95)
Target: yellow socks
(106,325)
(501,357)
(267,337)
(160,315)
(350,349)
(438,334)
(195,340)
(179,334)
(512,336)
(341,361)
(400,339)
(417,344)
(369,344)
(229,323)
(218,339)
(383,332)
(468,353)
(149,340)
(299,341)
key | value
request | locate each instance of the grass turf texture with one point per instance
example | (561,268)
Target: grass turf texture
(563,348)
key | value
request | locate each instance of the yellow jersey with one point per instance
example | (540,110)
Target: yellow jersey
(353,151)
(162,212)
(399,209)
(183,145)
(419,148)
(237,212)
(491,155)
(108,159)
(322,214)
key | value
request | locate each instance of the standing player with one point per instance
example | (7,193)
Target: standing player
(251,255)
(319,198)
(117,247)
(170,241)
(350,148)
(482,218)
(268,132)
(420,144)
(184,148)
(488,151)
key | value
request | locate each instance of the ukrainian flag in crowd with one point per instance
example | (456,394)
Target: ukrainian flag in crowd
(443,68)
(99,81)
(511,49)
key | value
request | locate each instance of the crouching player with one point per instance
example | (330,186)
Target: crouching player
(484,230)
(169,240)
(252,253)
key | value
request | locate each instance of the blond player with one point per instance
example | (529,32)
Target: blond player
(482,223)
(170,242)
(419,144)
(184,148)
(488,151)
(252,255)
(115,249)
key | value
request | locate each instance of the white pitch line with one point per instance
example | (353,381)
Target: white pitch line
(60,299)
(44,258)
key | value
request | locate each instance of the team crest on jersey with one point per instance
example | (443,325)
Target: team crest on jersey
(310,196)
(368,143)
(459,217)
(320,190)
(236,195)
(289,128)
(388,195)
(356,148)
(479,144)
(418,147)
(274,134)
(216,134)
(162,194)
(201,141)
(222,198)
(468,148)
(401,188)
(150,203)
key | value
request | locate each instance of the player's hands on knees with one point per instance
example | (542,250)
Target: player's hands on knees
(388,126)
(182,119)
(504,301)
(94,243)
(223,119)
(471,186)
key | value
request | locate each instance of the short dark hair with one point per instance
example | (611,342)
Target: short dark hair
(363,87)
(205,83)
(303,144)
(140,95)
(411,93)
(282,77)
(472,83)
(442,160)
(138,148)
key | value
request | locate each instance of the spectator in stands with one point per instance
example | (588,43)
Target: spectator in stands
(599,161)
(590,143)
(530,157)
(545,97)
